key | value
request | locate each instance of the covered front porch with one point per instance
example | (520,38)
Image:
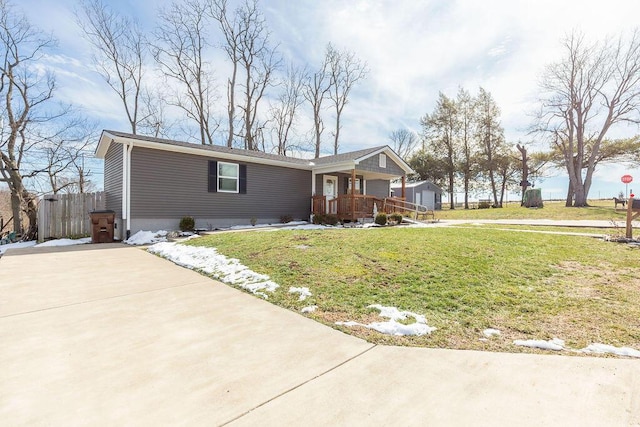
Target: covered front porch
(352,186)
(354,196)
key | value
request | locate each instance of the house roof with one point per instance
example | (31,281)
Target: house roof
(412,184)
(350,159)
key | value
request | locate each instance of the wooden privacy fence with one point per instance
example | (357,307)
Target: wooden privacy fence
(67,215)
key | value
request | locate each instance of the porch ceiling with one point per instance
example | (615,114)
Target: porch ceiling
(365,174)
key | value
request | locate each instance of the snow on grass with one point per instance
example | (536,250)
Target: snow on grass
(64,242)
(392,326)
(147,237)
(17,245)
(598,348)
(490,332)
(303,291)
(209,261)
(249,227)
(49,243)
(554,344)
(309,309)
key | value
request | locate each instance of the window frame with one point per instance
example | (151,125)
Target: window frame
(382,160)
(236,178)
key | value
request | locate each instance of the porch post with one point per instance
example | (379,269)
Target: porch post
(404,186)
(313,192)
(353,194)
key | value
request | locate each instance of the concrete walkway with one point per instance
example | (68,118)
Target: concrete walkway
(111,335)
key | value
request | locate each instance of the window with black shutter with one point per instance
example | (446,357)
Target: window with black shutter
(227,177)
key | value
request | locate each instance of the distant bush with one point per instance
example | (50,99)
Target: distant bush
(381,219)
(187,223)
(484,204)
(396,217)
(285,219)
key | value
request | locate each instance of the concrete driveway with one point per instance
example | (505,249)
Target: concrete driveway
(111,335)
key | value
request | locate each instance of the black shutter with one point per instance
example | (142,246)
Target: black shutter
(242,183)
(213,176)
(346,185)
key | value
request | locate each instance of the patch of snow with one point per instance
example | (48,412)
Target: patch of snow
(147,237)
(248,227)
(302,247)
(64,242)
(17,245)
(598,348)
(554,344)
(490,332)
(208,260)
(309,309)
(303,291)
(393,327)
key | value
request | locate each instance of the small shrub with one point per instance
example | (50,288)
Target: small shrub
(396,217)
(381,219)
(253,221)
(484,204)
(285,219)
(187,223)
(325,219)
(330,219)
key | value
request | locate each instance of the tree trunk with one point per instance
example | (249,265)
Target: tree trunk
(466,190)
(31,210)
(451,202)
(16,210)
(569,201)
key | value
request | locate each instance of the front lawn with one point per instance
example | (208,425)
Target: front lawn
(528,286)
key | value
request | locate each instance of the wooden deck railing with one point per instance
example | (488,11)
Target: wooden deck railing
(396,204)
(352,208)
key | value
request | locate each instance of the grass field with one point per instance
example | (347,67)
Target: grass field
(599,210)
(529,286)
(618,232)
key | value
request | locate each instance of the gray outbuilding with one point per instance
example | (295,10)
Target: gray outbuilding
(424,193)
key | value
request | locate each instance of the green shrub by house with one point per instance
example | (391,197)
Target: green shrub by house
(187,223)
(381,219)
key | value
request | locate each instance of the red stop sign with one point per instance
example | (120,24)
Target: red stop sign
(626,179)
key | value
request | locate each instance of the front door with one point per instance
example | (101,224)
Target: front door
(330,191)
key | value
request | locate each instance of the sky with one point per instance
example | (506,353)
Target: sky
(414,49)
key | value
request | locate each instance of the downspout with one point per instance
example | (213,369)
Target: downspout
(128,226)
(124,191)
(126,188)
(313,193)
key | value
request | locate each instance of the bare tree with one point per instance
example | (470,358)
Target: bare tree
(441,129)
(466,107)
(491,139)
(315,91)
(591,89)
(403,142)
(24,90)
(231,29)
(179,49)
(283,115)
(62,153)
(119,53)
(345,71)
(248,47)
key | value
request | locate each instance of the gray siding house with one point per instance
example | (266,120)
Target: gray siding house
(151,183)
(424,193)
